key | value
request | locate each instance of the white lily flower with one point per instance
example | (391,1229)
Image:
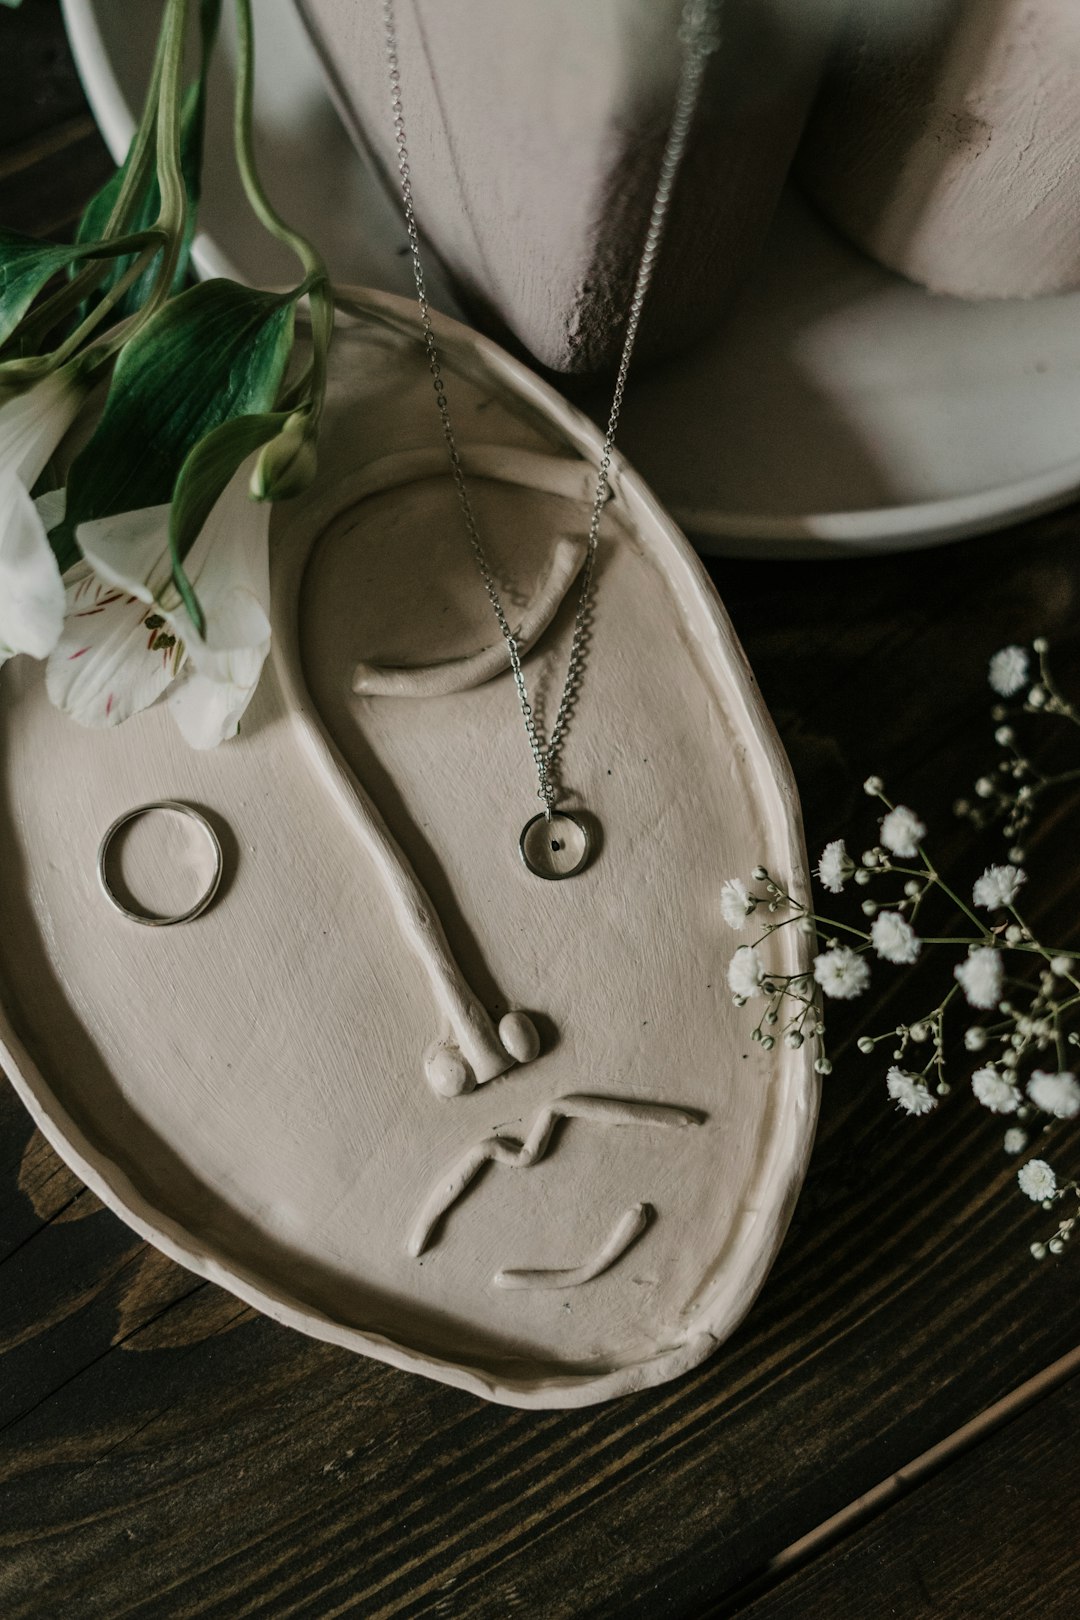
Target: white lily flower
(128,636)
(32,423)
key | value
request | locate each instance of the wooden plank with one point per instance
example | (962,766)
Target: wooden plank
(994,1535)
(168,1452)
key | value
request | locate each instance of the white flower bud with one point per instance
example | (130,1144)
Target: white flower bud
(1017,855)
(911,888)
(869,908)
(1004,735)
(975,1038)
(1014,934)
(794,1039)
(759,874)
(862,877)
(822,1066)
(1061,965)
(1056,1246)
(984,787)
(873,786)
(1038,1251)
(288,463)
(865,1044)
(1037,697)
(1041,645)
(919,1032)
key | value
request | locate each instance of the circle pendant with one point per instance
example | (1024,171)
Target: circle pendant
(555,847)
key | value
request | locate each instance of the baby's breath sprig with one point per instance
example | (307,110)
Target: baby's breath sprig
(1026,992)
(1011,792)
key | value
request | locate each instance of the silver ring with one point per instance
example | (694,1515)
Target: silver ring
(149,918)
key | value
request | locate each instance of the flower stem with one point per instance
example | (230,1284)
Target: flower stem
(316,275)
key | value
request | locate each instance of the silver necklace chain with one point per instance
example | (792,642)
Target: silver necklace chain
(699,37)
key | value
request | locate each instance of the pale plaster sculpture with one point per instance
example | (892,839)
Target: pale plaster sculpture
(248,1090)
(535,132)
(946,142)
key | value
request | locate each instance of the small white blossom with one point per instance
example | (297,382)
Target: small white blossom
(909,1092)
(998,887)
(995,1091)
(975,1038)
(1062,966)
(835,866)
(735,903)
(893,938)
(1057,1094)
(1037,1180)
(1009,670)
(1015,1140)
(980,977)
(901,831)
(745,972)
(32,423)
(873,786)
(842,973)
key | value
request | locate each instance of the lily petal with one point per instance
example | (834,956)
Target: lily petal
(207,712)
(130,550)
(31,591)
(116,655)
(229,566)
(33,422)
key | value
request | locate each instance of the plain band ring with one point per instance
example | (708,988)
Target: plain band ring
(148,918)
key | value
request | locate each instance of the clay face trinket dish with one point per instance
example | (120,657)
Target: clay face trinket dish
(372,926)
(297,732)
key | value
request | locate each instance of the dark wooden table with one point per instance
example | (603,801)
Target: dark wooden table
(894,1430)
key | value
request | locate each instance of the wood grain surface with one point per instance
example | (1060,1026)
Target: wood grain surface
(165,1451)
(993,1535)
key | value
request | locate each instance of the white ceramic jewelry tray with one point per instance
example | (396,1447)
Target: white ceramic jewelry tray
(249,1091)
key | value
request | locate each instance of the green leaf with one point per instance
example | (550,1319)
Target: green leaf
(215,352)
(202,478)
(25,267)
(148,202)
